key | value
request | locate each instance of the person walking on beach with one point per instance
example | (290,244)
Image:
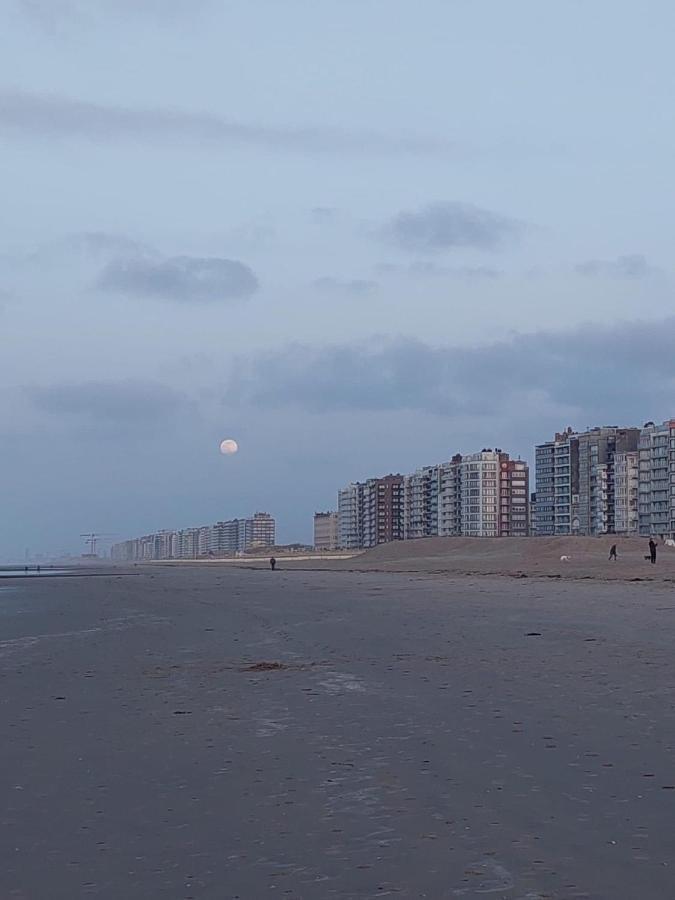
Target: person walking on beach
(273,564)
(652,550)
(612,552)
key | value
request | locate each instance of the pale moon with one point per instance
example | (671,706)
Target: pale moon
(229,447)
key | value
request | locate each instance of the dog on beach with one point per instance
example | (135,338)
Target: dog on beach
(565,558)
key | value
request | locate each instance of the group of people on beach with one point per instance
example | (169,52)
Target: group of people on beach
(651,555)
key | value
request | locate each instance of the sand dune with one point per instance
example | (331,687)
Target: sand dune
(588,557)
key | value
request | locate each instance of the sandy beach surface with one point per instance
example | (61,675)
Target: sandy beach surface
(215,732)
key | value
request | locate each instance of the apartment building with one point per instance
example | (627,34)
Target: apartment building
(514,497)
(450,498)
(479,474)
(326,531)
(420,503)
(597,451)
(557,485)
(350,517)
(484,494)
(263,531)
(656,485)
(626,480)
(382,510)
(576,482)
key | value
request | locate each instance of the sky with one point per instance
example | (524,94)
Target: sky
(357,236)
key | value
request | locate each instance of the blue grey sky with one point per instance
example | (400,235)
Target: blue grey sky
(355,235)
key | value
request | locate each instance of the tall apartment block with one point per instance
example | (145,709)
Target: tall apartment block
(382,510)
(484,494)
(420,503)
(656,489)
(371,513)
(626,481)
(263,531)
(514,497)
(597,462)
(479,475)
(450,498)
(350,517)
(577,482)
(325,531)
(557,485)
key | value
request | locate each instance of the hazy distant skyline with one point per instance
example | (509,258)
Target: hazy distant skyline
(358,237)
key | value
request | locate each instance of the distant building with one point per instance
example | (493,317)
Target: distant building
(382,510)
(557,485)
(326,531)
(420,503)
(514,495)
(350,517)
(626,482)
(221,539)
(263,531)
(656,487)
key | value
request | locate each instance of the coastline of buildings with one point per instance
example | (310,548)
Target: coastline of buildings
(208,541)
(602,481)
(483,494)
(607,480)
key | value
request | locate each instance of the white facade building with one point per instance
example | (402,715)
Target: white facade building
(626,483)
(350,517)
(656,487)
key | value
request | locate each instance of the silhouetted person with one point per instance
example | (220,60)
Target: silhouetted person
(38,570)
(25,570)
(273,564)
(612,552)
(652,550)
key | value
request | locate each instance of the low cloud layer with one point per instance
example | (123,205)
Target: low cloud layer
(182,278)
(450,226)
(124,402)
(633,266)
(607,374)
(51,116)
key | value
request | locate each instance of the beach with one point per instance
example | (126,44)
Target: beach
(218,732)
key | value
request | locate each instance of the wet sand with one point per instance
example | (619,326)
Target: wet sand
(210,732)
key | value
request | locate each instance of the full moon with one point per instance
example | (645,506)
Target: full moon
(229,447)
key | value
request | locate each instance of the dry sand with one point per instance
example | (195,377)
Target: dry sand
(515,557)
(218,734)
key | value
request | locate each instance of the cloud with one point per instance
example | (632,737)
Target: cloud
(50,116)
(632,266)
(357,287)
(184,278)
(131,401)
(603,373)
(449,226)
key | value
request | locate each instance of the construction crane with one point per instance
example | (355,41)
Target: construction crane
(91,540)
